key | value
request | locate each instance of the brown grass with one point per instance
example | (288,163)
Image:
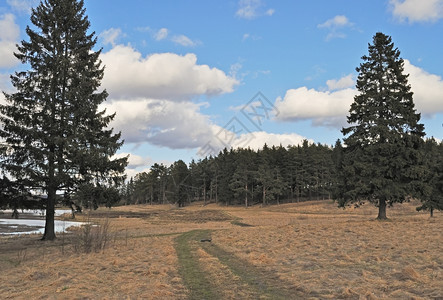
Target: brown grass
(313,248)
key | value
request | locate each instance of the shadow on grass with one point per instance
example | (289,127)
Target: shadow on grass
(264,284)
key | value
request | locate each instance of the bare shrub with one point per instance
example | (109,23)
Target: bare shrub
(93,237)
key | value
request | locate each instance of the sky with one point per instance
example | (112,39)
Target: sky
(188,78)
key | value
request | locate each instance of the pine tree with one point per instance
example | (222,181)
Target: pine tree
(180,178)
(56,138)
(240,180)
(432,198)
(381,160)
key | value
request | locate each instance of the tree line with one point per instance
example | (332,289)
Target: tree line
(271,175)
(239,176)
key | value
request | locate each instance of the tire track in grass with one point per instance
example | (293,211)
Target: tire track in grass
(264,284)
(195,279)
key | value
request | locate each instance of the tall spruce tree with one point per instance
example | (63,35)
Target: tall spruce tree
(56,138)
(381,160)
(180,180)
(432,198)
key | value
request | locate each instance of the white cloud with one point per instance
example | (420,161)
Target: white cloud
(165,34)
(427,88)
(23,6)
(251,9)
(111,36)
(131,173)
(161,76)
(182,126)
(248,36)
(323,108)
(259,138)
(330,108)
(337,21)
(5,86)
(344,82)
(161,122)
(270,12)
(161,34)
(235,69)
(183,40)
(9,35)
(335,26)
(417,10)
(134,161)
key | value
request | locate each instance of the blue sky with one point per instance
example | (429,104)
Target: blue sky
(189,77)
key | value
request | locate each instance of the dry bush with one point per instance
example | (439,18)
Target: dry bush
(93,237)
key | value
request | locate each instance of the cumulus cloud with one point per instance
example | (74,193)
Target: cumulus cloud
(342,83)
(111,36)
(9,36)
(161,122)
(134,161)
(330,108)
(335,26)
(245,139)
(323,108)
(161,76)
(183,126)
(427,88)
(259,138)
(251,9)
(417,10)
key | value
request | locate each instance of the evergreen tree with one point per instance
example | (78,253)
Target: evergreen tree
(56,138)
(14,196)
(143,189)
(381,160)
(180,178)
(226,168)
(432,198)
(240,179)
(214,178)
(203,178)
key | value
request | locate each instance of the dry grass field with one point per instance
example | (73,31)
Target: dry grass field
(310,250)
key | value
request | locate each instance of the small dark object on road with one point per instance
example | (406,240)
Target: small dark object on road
(206,240)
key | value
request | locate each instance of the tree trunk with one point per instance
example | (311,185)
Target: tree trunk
(292,194)
(264,196)
(252,193)
(432,211)
(382,210)
(216,189)
(246,197)
(49,234)
(163,193)
(297,194)
(204,193)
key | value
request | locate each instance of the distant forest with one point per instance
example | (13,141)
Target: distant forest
(240,176)
(246,177)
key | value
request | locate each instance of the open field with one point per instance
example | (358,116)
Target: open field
(309,250)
